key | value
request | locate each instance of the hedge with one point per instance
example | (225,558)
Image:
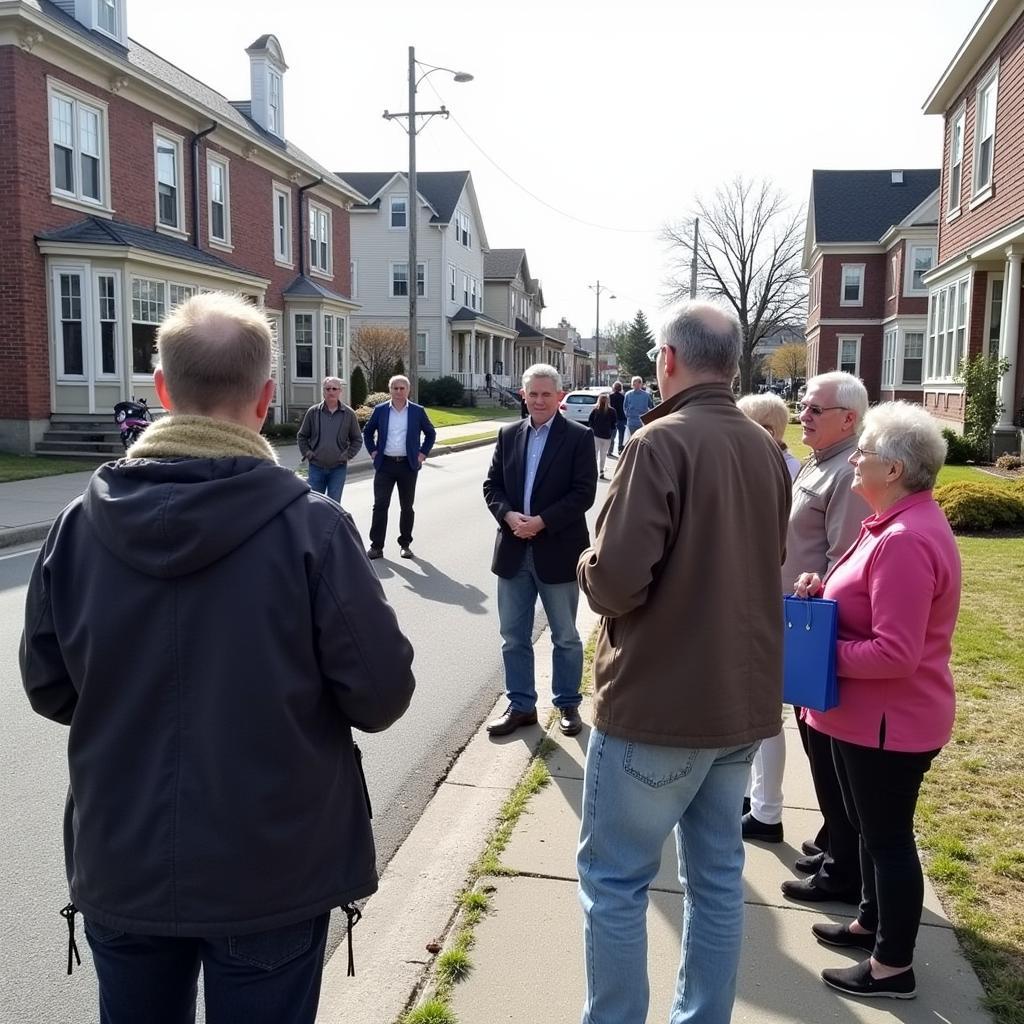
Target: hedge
(978,506)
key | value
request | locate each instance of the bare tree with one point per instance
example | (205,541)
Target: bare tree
(378,348)
(789,360)
(748,255)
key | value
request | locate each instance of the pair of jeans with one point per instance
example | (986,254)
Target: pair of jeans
(328,481)
(620,433)
(517,602)
(264,978)
(880,788)
(391,474)
(634,796)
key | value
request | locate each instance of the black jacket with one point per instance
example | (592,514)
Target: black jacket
(563,490)
(212,631)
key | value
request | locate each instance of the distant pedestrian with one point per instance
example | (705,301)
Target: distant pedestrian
(399,436)
(542,481)
(212,633)
(686,683)
(487,380)
(635,403)
(602,421)
(615,399)
(329,438)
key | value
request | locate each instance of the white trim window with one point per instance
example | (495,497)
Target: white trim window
(149,307)
(921,260)
(956,158)
(452,282)
(889,341)
(282,225)
(219,199)
(851,287)
(892,275)
(465,289)
(353,279)
(913,357)
(994,312)
(985,131)
(814,289)
(108,18)
(69,298)
(947,330)
(78,147)
(330,353)
(400,279)
(320,239)
(170,211)
(302,346)
(422,342)
(274,122)
(107,348)
(848,351)
(462,232)
(179,293)
(399,212)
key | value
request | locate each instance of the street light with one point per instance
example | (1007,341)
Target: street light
(597,289)
(412,207)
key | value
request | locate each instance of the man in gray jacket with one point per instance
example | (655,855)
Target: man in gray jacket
(329,438)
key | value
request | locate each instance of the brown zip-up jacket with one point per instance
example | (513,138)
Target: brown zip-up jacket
(684,570)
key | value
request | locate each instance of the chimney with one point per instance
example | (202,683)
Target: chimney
(266,81)
(897,177)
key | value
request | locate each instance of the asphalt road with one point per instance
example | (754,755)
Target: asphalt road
(445,600)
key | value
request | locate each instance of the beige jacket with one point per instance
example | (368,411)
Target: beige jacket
(685,570)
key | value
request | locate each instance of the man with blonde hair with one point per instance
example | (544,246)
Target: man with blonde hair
(212,632)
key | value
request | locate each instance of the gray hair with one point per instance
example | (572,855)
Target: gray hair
(332,380)
(850,391)
(542,370)
(636,380)
(906,433)
(398,376)
(706,338)
(768,410)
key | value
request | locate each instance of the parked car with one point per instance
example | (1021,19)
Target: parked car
(578,405)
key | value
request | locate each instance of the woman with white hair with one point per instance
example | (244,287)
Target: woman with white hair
(898,592)
(772,413)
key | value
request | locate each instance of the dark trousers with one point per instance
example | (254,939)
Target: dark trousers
(265,978)
(880,788)
(392,473)
(840,870)
(620,433)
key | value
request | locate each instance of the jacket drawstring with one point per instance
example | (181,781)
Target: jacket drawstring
(68,913)
(353,913)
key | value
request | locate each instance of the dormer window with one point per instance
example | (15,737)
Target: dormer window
(266,81)
(274,102)
(107,17)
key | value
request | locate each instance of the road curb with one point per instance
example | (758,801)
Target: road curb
(15,535)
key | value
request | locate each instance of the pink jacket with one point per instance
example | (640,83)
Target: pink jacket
(898,590)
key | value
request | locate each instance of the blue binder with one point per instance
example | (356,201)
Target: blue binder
(809,661)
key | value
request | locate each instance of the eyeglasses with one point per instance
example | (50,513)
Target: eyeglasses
(652,353)
(861,452)
(817,410)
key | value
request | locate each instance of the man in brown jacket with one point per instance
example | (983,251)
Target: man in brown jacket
(688,674)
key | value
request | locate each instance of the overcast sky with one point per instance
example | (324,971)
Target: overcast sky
(614,113)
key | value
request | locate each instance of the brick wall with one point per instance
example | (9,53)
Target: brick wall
(831,287)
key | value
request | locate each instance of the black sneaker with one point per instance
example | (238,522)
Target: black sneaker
(857,981)
(839,935)
(760,830)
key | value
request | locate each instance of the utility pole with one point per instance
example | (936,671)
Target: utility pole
(693,260)
(597,289)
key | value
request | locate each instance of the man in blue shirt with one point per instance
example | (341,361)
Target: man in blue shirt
(542,481)
(636,402)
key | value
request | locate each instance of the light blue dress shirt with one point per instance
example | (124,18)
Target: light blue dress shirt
(398,429)
(536,438)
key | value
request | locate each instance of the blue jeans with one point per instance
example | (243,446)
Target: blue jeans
(634,795)
(620,433)
(328,481)
(263,978)
(517,600)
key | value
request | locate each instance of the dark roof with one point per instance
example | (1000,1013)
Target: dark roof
(860,206)
(98,231)
(503,264)
(465,313)
(305,287)
(528,330)
(440,188)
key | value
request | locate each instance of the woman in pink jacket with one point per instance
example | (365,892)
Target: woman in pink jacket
(898,590)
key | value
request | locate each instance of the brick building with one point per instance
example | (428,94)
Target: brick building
(871,237)
(126,185)
(975,289)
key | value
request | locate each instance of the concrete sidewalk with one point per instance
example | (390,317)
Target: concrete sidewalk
(28,507)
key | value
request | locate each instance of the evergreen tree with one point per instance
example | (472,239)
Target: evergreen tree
(399,368)
(357,389)
(633,349)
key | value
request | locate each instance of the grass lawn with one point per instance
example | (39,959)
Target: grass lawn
(30,467)
(454,417)
(463,438)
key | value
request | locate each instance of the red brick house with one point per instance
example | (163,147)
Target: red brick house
(126,185)
(871,237)
(975,288)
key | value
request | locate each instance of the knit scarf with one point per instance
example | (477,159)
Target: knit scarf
(199,437)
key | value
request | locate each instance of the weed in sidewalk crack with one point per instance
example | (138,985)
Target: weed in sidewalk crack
(433,1011)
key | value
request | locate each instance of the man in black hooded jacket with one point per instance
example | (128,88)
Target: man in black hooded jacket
(212,632)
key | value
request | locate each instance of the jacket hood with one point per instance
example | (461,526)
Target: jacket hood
(170,517)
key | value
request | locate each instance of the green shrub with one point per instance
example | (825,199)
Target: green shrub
(357,389)
(980,377)
(447,391)
(1008,461)
(426,392)
(399,368)
(959,451)
(377,398)
(280,431)
(975,506)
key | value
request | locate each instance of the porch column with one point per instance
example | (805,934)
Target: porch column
(472,351)
(490,354)
(1008,340)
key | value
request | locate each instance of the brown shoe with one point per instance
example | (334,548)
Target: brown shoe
(569,721)
(510,721)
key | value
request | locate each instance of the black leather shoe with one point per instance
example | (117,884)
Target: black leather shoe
(841,936)
(375,553)
(857,981)
(810,849)
(510,721)
(407,553)
(805,891)
(569,721)
(809,865)
(761,831)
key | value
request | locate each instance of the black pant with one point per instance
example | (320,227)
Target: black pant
(880,788)
(620,433)
(392,472)
(840,870)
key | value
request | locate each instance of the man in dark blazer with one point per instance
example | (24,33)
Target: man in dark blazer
(398,436)
(542,480)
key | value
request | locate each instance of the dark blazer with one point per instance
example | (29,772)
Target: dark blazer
(563,490)
(375,433)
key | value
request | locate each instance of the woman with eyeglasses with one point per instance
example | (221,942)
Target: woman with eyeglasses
(898,591)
